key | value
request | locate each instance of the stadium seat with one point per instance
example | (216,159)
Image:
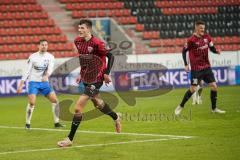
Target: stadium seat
(101,13)
(167,24)
(92,14)
(3,56)
(139,27)
(22,24)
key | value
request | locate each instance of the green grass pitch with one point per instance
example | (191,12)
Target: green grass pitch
(209,136)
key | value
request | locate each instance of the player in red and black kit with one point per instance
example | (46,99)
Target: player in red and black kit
(94,71)
(197,46)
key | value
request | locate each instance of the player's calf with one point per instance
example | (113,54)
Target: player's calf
(29,112)
(105,108)
(77,118)
(118,125)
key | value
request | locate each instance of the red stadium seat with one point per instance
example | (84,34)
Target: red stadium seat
(27,39)
(22,55)
(218,40)
(118,13)
(102,13)
(118,5)
(110,13)
(153,43)
(155,35)
(132,20)
(179,42)
(236,39)
(139,27)
(92,14)
(22,24)
(12,56)
(236,47)
(3,56)
(227,39)
(146,35)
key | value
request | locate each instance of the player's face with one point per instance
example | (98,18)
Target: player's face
(84,30)
(43,46)
(200,29)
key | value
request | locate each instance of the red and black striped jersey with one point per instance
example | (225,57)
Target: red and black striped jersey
(96,48)
(198,51)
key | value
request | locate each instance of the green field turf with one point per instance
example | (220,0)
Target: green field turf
(210,136)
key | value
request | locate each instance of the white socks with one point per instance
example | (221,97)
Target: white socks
(29,112)
(55,110)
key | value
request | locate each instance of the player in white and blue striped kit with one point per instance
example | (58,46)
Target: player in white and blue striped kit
(40,67)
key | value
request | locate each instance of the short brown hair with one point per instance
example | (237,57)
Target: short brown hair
(88,22)
(199,23)
(42,40)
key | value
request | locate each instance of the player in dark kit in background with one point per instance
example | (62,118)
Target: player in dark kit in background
(93,72)
(197,46)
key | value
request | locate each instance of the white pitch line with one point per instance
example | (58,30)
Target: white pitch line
(99,132)
(90,145)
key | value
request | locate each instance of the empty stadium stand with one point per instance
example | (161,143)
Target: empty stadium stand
(167,24)
(162,25)
(22,24)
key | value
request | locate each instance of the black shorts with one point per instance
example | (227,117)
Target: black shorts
(92,89)
(206,75)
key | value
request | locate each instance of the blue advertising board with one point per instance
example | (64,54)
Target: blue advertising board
(128,80)
(178,78)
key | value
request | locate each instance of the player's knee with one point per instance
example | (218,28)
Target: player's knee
(32,104)
(193,89)
(214,87)
(77,111)
(54,101)
(99,104)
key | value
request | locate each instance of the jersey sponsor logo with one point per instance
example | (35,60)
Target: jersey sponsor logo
(40,68)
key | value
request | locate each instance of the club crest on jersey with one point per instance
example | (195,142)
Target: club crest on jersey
(205,40)
(90,49)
